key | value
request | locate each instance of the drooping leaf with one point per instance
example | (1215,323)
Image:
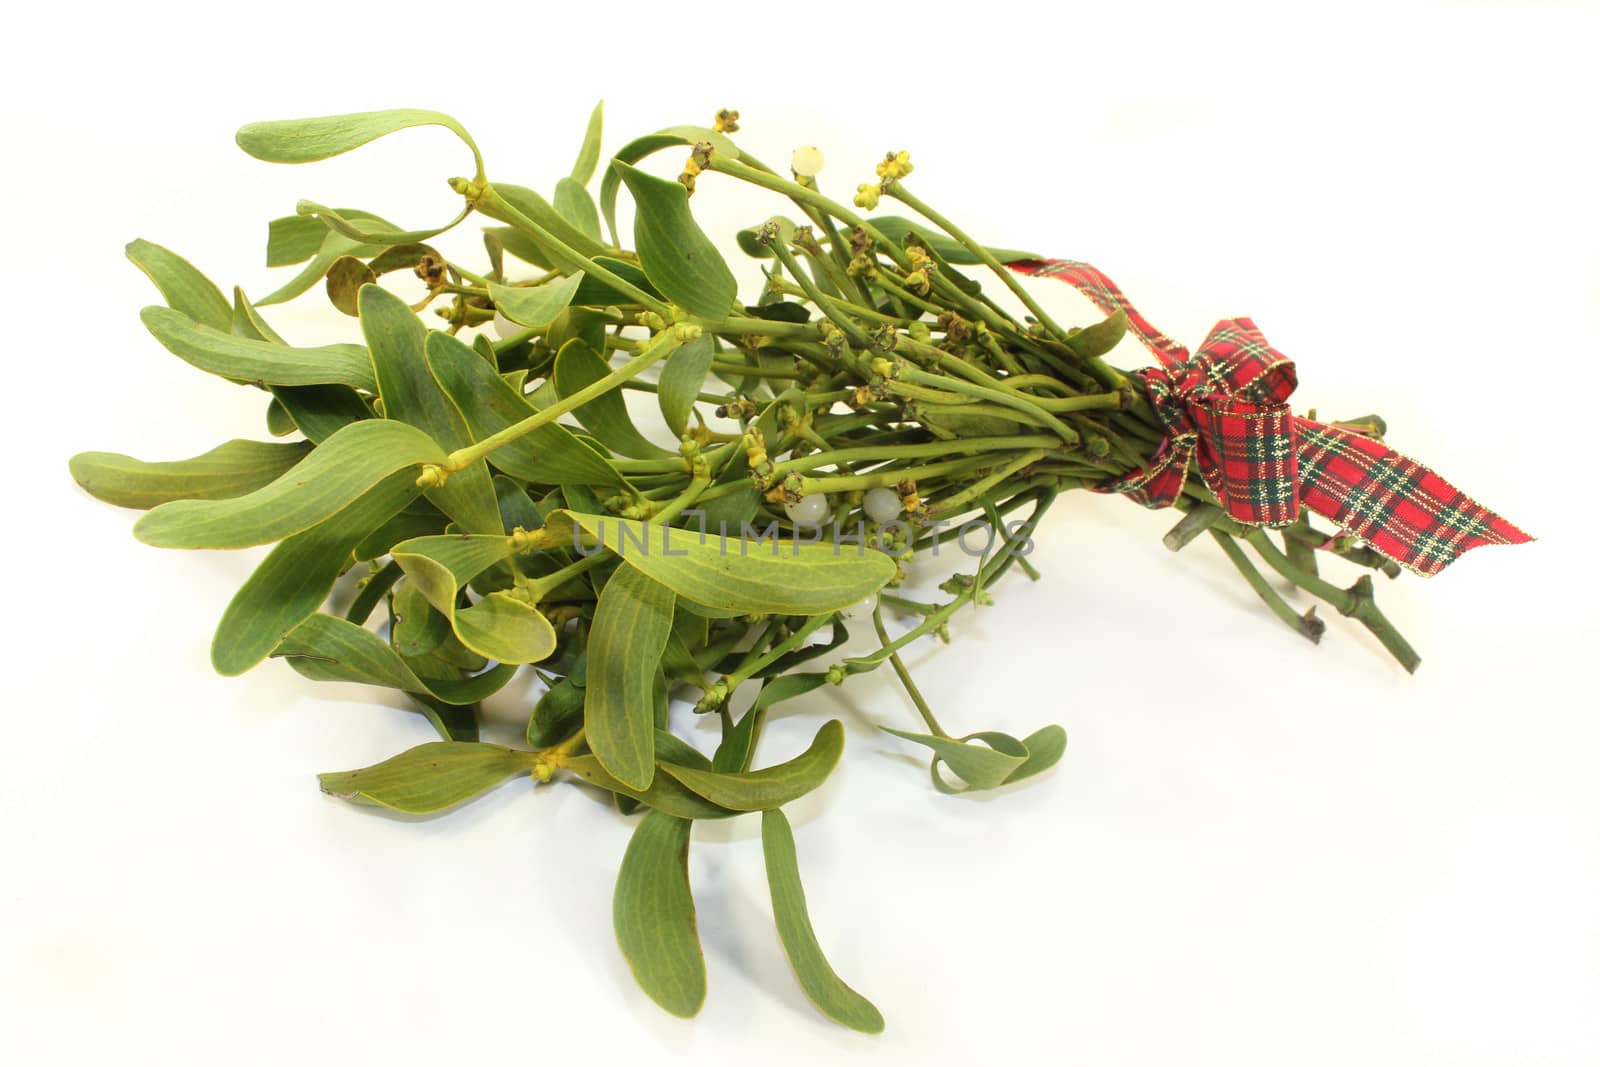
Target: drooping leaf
(308,140)
(229,470)
(430,777)
(297,576)
(262,362)
(606,416)
(770,787)
(1045,747)
(183,287)
(653,913)
(417,628)
(826,989)
(335,473)
(500,626)
(677,256)
(987,765)
(734,575)
(631,624)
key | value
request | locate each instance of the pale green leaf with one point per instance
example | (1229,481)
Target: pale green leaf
(734,574)
(183,287)
(336,473)
(606,416)
(631,624)
(262,362)
(397,340)
(297,576)
(589,152)
(229,470)
(535,305)
(545,456)
(308,140)
(675,253)
(683,375)
(653,914)
(500,626)
(769,787)
(826,989)
(430,777)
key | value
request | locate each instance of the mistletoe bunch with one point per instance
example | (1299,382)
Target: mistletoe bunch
(476,464)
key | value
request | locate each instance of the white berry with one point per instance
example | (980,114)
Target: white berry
(504,327)
(882,505)
(806,161)
(810,511)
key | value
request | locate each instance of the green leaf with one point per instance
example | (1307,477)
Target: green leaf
(316,410)
(183,287)
(675,253)
(826,989)
(597,294)
(356,229)
(500,626)
(1000,758)
(787,687)
(329,649)
(548,455)
(631,624)
(665,794)
(229,470)
(769,787)
(293,239)
(1094,341)
(297,576)
(336,473)
(653,913)
(953,252)
(535,306)
(1045,747)
(573,203)
(807,579)
(332,247)
(641,147)
(344,281)
(538,210)
(589,153)
(417,629)
(683,375)
(738,743)
(606,416)
(410,394)
(262,362)
(308,140)
(430,777)
(556,715)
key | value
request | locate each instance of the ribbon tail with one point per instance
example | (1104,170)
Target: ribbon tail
(1403,510)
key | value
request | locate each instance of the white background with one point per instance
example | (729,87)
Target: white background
(1254,852)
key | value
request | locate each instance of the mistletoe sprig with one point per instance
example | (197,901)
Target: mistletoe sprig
(475,462)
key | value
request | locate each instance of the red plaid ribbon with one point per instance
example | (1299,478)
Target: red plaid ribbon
(1225,408)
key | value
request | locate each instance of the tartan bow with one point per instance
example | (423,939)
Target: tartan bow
(1225,408)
